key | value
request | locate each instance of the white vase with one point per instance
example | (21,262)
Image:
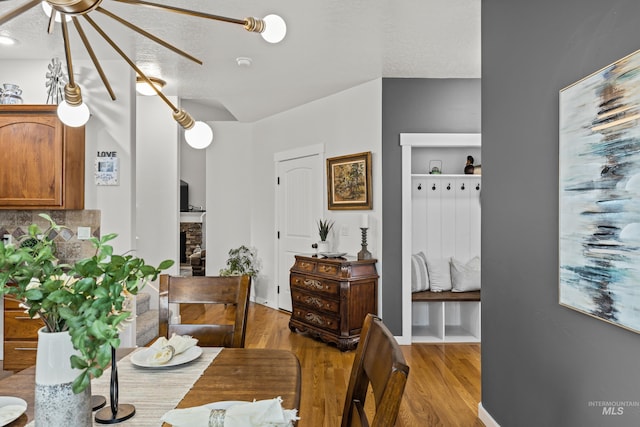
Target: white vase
(55,402)
(323,246)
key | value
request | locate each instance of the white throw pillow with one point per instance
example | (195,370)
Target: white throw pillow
(439,274)
(465,277)
(419,275)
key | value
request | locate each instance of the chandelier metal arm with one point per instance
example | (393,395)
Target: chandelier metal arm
(94,58)
(149,35)
(67,52)
(52,21)
(18,11)
(130,62)
(185,11)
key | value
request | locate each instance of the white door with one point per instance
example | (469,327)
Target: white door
(299,199)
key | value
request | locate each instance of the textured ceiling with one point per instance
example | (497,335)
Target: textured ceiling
(331,45)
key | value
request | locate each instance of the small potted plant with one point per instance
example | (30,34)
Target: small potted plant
(324,227)
(242,260)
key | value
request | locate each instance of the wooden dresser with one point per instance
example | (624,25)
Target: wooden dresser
(20,337)
(331,297)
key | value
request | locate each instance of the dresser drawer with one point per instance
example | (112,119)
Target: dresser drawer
(305,265)
(314,318)
(18,325)
(314,284)
(332,270)
(19,355)
(317,302)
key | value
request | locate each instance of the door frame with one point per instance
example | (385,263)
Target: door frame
(310,150)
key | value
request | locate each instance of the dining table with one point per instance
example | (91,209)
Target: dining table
(217,375)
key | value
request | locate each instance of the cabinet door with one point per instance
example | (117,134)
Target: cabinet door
(31,155)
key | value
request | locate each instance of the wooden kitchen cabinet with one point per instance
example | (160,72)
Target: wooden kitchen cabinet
(42,160)
(331,297)
(20,337)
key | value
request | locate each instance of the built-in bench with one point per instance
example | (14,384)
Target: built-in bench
(445,296)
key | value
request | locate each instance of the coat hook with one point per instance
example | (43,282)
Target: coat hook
(420,186)
(462,188)
(433,187)
(478,187)
(449,186)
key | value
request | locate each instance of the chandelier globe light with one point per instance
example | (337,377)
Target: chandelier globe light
(197,134)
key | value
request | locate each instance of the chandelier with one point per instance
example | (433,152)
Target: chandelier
(74,112)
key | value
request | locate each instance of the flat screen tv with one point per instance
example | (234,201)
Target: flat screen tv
(184,196)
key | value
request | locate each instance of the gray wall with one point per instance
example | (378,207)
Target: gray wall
(414,106)
(542,364)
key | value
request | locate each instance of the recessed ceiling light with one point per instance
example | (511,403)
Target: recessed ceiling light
(6,40)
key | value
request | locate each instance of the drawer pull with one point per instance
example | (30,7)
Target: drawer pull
(25,349)
(313,283)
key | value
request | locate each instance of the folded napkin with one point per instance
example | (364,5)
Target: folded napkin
(261,413)
(166,349)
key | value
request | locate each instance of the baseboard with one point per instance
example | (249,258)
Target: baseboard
(485,417)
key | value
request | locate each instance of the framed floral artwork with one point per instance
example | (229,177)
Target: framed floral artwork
(349,182)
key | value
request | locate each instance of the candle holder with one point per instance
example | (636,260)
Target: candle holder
(114,413)
(364,253)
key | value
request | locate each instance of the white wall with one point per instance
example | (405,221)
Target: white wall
(346,123)
(157,189)
(230,180)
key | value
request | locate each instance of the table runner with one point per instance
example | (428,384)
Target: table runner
(152,391)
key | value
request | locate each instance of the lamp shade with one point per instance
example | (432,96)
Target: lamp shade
(275,29)
(199,136)
(73,116)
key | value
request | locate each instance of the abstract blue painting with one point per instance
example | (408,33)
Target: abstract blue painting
(599,194)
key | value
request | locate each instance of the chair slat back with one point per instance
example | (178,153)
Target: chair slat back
(227,290)
(378,363)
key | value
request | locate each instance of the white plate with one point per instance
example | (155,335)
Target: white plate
(333,254)
(225,404)
(10,409)
(141,357)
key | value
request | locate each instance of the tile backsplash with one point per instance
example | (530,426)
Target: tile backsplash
(69,248)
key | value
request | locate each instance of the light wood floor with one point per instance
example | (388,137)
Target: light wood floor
(443,388)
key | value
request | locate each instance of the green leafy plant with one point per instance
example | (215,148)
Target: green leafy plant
(324,227)
(89,298)
(242,260)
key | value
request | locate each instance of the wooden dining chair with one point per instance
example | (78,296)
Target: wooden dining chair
(226,292)
(378,363)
